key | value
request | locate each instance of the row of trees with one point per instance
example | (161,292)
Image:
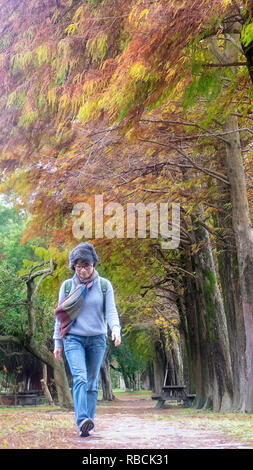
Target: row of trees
(28,292)
(144,102)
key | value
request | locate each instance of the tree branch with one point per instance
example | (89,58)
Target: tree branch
(215,50)
(229,64)
(32,289)
(9,339)
(214,174)
(234,42)
(187,123)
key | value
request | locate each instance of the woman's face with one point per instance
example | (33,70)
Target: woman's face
(83,269)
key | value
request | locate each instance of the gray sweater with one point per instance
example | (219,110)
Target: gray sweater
(90,321)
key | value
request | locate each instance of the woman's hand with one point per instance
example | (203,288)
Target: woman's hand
(58,354)
(116,335)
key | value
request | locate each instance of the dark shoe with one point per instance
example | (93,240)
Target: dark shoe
(85,427)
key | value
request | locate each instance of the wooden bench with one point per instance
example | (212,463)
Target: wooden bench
(21,399)
(173,393)
(28,399)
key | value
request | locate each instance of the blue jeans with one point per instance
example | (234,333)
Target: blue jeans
(84,355)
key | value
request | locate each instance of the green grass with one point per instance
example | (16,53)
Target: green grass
(236,425)
(118,392)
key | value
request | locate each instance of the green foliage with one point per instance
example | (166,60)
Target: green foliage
(12,225)
(17,99)
(97,47)
(247,34)
(13,319)
(142,341)
(93,3)
(22,60)
(50,286)
(43,55)
(27,119)
(209,288)
(5,41)
(17,259)
(44,308)
(207,85)
(130,361)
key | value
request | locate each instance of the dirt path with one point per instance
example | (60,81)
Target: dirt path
(138,425)
(127,423)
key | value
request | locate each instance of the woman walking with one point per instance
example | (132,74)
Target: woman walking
(84,338)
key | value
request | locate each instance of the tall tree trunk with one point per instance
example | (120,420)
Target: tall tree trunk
(189,327)
(230,286)
(216,371)
(106,377)
(228,269)
(45,387)
(39,349)
(65,399)
(205,327)
(248,50)
(158,367)
(244,243)
(193,343)
(42,352)
(241,220)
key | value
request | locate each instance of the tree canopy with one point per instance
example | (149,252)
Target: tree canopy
(78,76)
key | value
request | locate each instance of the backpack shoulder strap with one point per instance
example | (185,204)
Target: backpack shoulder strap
(67,287)
(103,283)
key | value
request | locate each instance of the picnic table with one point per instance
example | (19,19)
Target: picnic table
(21,398)
(173,393)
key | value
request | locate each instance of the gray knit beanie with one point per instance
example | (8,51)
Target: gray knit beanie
(84,251)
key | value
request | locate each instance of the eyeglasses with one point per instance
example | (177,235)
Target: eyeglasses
(84,265)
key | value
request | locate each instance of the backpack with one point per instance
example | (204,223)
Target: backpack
(103,283)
